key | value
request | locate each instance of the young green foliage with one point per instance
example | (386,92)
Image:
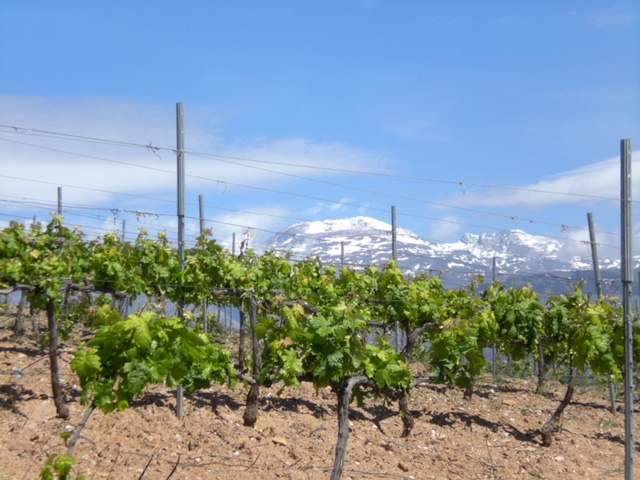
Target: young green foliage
(329,342)
(128,354)
(57,467)
(456,355)
(519,314)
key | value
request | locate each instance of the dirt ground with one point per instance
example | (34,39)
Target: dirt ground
(493,436)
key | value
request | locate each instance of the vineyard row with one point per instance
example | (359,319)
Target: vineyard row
(305,321)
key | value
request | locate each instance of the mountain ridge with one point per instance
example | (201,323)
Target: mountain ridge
(363,241)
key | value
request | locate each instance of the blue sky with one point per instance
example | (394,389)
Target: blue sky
(464,115)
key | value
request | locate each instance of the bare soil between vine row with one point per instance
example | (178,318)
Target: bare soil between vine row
(492,436)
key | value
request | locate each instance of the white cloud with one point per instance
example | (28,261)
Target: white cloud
(608,244)
(265,161)
(38,163)
(263,222)
(364,209)
(585,185)
(117,176)
(316,208)
(576,243)
(342,204)
(422,129)
(448,228)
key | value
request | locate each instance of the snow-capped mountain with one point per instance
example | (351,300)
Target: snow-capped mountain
(358,241)
(363,241)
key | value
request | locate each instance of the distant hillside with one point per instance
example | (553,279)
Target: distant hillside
(520,257)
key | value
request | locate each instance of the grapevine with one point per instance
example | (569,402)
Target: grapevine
(305,321)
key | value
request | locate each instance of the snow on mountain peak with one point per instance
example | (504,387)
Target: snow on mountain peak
(332,226)
(502,242)
(366,241)
(351,226)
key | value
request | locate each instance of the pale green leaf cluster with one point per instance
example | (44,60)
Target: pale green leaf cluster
(57,467)
(314,322)
(128,354)
(330,343)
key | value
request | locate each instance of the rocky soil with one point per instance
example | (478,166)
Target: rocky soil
(493,436)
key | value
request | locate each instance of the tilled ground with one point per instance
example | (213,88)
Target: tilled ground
(492,436)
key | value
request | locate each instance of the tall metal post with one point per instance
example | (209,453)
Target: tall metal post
(627,284)
(233,252)
(393,257)
(201,207)
(342,254)
(637,299)
(495,347)
(596,272)
(205,304)
(594,254)
(124,226)
(59,200)
(180,170)
(393,233)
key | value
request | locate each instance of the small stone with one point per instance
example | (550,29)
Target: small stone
(280,441)
(403,467)
(559,459)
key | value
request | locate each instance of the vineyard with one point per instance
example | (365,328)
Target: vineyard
(309,374)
